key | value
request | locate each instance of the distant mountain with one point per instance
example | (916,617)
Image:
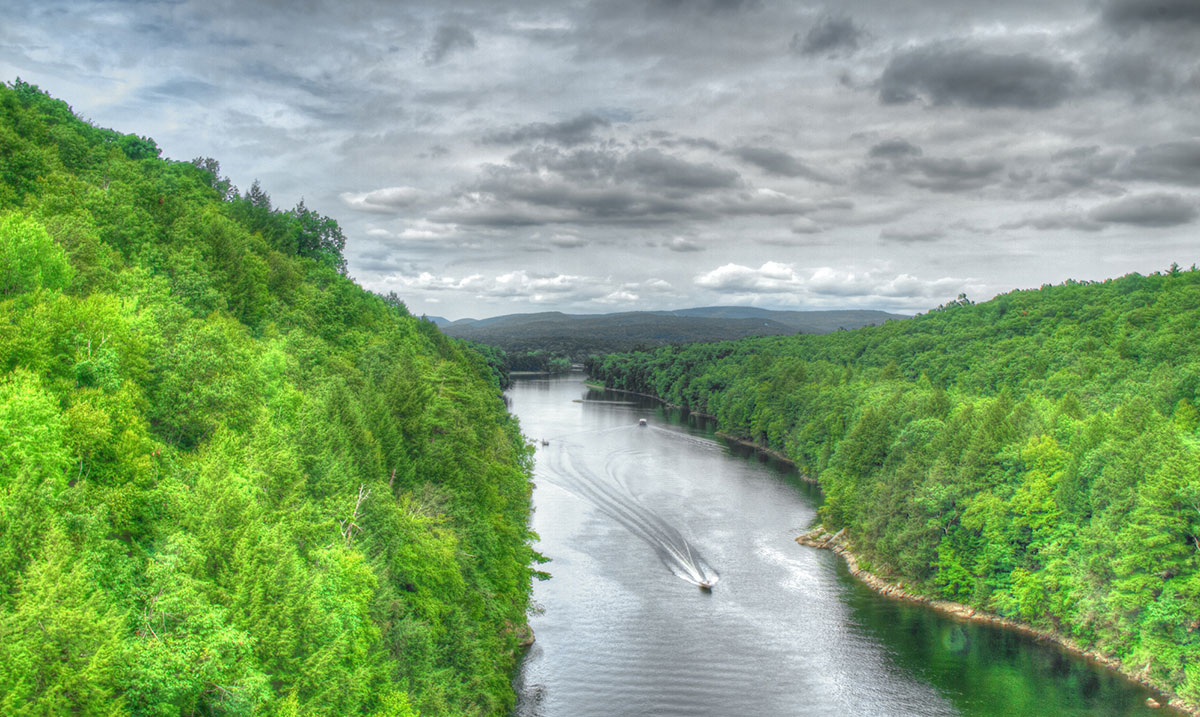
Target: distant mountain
(580,335)
(437,320)
(807,322)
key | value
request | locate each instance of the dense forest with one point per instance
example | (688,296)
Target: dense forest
(231,480)
(1036,456)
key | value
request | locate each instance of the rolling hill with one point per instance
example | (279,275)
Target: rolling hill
(581,335)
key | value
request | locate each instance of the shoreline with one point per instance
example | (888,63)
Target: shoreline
(836,543)
(668,404)
(777,455)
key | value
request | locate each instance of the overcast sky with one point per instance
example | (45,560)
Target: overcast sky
(495,157)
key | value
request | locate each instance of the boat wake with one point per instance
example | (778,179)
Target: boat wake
(610,493)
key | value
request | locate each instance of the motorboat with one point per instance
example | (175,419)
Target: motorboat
(642,422)
(705,586)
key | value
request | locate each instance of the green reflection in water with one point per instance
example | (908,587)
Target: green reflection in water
(981,669)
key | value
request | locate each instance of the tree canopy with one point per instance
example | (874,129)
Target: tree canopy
(231,480)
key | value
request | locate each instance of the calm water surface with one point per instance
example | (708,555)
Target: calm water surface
(634,518)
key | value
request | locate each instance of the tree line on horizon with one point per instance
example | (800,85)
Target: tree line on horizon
(1036,456)
(231,480)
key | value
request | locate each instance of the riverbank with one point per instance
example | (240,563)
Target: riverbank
(668,404)
(777,455)
(840,545)
(819,538)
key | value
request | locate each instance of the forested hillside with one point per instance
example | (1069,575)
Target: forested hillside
(231,480)
(1036,455)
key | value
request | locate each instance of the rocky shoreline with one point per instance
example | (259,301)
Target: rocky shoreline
(839,544)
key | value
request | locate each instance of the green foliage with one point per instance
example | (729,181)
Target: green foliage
(232,481)
(29,259)
(1035,455)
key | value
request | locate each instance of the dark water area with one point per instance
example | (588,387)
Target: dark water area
(635,518)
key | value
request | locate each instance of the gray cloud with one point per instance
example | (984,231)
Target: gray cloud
(1072,220)
(666,139)
(456,149)
(703,7)
(1070,171)
(944,74)
(894,148)
(653,167)
(949,174)
(1140,73)
(568,241)
(778,162)
(547,185)
(1127,16)
(1151,210)
(1169,162)
(828,34)
(911,236)
(570,132)
(1147,210)
(448,40)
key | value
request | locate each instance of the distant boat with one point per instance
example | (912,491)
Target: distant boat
(545,442)
(641,421)
(705,585)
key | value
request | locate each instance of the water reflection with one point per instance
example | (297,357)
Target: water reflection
(787,631)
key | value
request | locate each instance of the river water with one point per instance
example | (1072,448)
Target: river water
(634,518)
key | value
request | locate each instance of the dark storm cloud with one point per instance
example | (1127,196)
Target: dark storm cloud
(778,162)
(1128,16)
(1147,210)
(894,148)
(1169,162)
(447,40)
(828,35)
(567,133)
(942,74)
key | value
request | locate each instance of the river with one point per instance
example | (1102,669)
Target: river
(634,517)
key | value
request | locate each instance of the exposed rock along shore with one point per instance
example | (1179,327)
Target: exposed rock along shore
(839,543)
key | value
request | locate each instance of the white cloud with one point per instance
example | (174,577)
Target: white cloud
(768,278)
(773,278)
(683,244)
(388,200)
